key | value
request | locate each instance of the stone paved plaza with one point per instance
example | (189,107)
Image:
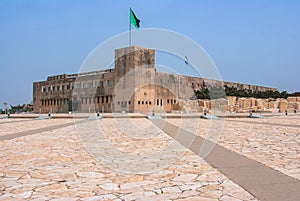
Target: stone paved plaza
(132,159)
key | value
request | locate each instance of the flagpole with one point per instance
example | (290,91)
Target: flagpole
(129,28)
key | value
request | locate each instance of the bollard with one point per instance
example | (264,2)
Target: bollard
(250,113)
(98,114)
(49,114)
(286,113)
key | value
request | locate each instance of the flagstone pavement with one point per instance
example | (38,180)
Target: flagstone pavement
(131,159)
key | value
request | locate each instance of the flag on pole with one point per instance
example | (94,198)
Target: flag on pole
(186,61)
(134,20)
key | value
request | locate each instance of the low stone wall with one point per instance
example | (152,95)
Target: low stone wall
(242,105)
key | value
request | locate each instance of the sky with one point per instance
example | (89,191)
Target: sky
(250,41)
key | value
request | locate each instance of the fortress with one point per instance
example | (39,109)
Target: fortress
(133,85)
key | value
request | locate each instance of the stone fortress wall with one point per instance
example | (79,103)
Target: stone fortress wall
(244,105)
(134,74)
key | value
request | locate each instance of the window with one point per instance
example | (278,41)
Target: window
(53,88)
(171,101)
(142,102)
(58,88)
(101,84)
(108,83)
(82,85)
(89,85)
(106,99)
(102,99)
(174,101)
(168,101)
(139,102)
(146,102)
(68,87)
(44,89)
(149,102)
(63,87)
(128,102)
(77,85)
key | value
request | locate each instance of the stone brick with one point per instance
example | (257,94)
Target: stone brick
(292,99)
(283,105)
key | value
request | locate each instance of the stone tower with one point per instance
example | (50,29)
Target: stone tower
(134,68)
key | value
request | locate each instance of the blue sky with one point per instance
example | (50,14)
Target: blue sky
(251,41)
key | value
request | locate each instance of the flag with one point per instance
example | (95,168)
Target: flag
(134,20)
(186,61)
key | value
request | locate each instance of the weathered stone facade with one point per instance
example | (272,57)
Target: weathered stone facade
(133,85)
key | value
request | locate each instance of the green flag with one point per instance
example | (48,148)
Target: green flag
(134,20)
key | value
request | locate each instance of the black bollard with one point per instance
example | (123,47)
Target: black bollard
(286,113)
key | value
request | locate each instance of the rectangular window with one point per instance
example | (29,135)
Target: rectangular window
(174,101)
(58,88)
(63,87)
(101,84)
(108,83)
(102,99)
(89,85)
(149,102)
(106,99)
(68,87)
(77,85)
(139,102)
(83,85)
(53,88)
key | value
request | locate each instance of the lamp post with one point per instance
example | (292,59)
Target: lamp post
(5,107)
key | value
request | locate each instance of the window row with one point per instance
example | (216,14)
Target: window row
(144,102)
(98,99)
(123,102)
(172,101)
(58,88)
(54,102)
(78,85)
